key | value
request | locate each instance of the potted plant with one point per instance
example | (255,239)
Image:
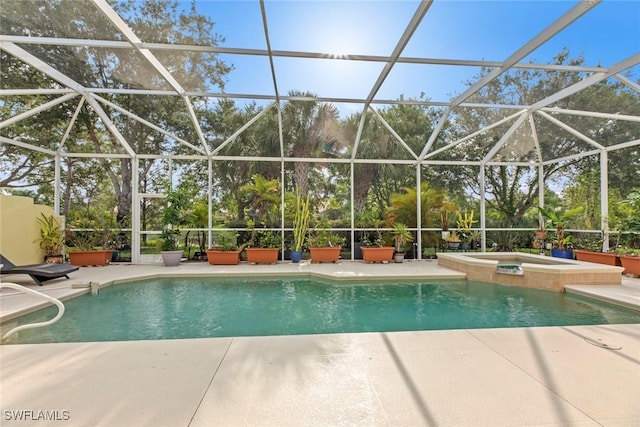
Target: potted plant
(264,246)
(89,244)
(453,240)
(172,218)
(325,246)
(375,249)
(300,227)
(630,259)
(445,219)
(590,252)
(540,234)
(607,258)
(559,221)
(401,236)
(464,224)
(225,251)
(51,239)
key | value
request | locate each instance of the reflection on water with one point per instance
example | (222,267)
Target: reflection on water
(209,307)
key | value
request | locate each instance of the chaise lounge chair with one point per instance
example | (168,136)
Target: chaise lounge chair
(38,272)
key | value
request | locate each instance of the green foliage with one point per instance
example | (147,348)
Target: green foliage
(51,238)
(324,238)
(453,237)
(267,239)
(632,203)
(434,203)
(310,129)
(300,222)
(559,220)
(226,240)
(401,236)
(263,238)
(93,230)
(263,195)
(174,215)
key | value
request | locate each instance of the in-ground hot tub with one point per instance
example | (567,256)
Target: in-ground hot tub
(538,271)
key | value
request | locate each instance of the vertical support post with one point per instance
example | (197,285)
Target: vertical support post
(483,207)
(419,209)
(56,188)
(540,193)
(135,211)
(282,207)
(604,199)
(353,221)
(209,202)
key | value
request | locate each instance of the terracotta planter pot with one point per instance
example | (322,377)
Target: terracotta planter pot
(262,255)
(86,258)
(606,258)
(382,254)
(631,264)
(540,235)
(325,254)
(220,257)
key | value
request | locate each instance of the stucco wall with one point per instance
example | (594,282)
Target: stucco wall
(19,229)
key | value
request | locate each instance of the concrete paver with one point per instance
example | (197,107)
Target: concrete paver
(481,377)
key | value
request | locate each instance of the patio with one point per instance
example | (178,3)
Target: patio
(519,376)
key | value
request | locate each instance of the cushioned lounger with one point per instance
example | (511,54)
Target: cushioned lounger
(38,272)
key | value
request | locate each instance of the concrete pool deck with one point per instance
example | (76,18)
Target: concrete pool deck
(491,377)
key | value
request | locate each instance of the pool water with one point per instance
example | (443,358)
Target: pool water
(222,307)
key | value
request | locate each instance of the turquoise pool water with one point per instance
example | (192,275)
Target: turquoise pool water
(215,307)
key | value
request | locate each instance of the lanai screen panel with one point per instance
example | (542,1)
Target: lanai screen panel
(355,53)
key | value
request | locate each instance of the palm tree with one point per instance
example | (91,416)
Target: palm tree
(376,142)
(560,220)
(262,194)
(310,129)
(403,208)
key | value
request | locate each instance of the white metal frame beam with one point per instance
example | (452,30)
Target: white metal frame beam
(122,26)
(561,23)
(291,54)
(422,9)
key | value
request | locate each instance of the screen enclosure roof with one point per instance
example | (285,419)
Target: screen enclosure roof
(362,56)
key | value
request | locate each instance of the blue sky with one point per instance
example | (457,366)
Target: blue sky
(475,30)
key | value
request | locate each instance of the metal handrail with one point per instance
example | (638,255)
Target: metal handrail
(39,294)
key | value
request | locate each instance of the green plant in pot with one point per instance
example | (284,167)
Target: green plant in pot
(325,238)
(51,239)
(300,226)
(264,245)
(325,245)
(374,239)
(225,249)
(559,220)
(376,250)
(89,242)
(401,236)
(453,240)
(464,223)
(172,219)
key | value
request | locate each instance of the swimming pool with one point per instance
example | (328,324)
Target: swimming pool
(222,307)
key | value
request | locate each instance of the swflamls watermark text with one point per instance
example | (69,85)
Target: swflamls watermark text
(36,415)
